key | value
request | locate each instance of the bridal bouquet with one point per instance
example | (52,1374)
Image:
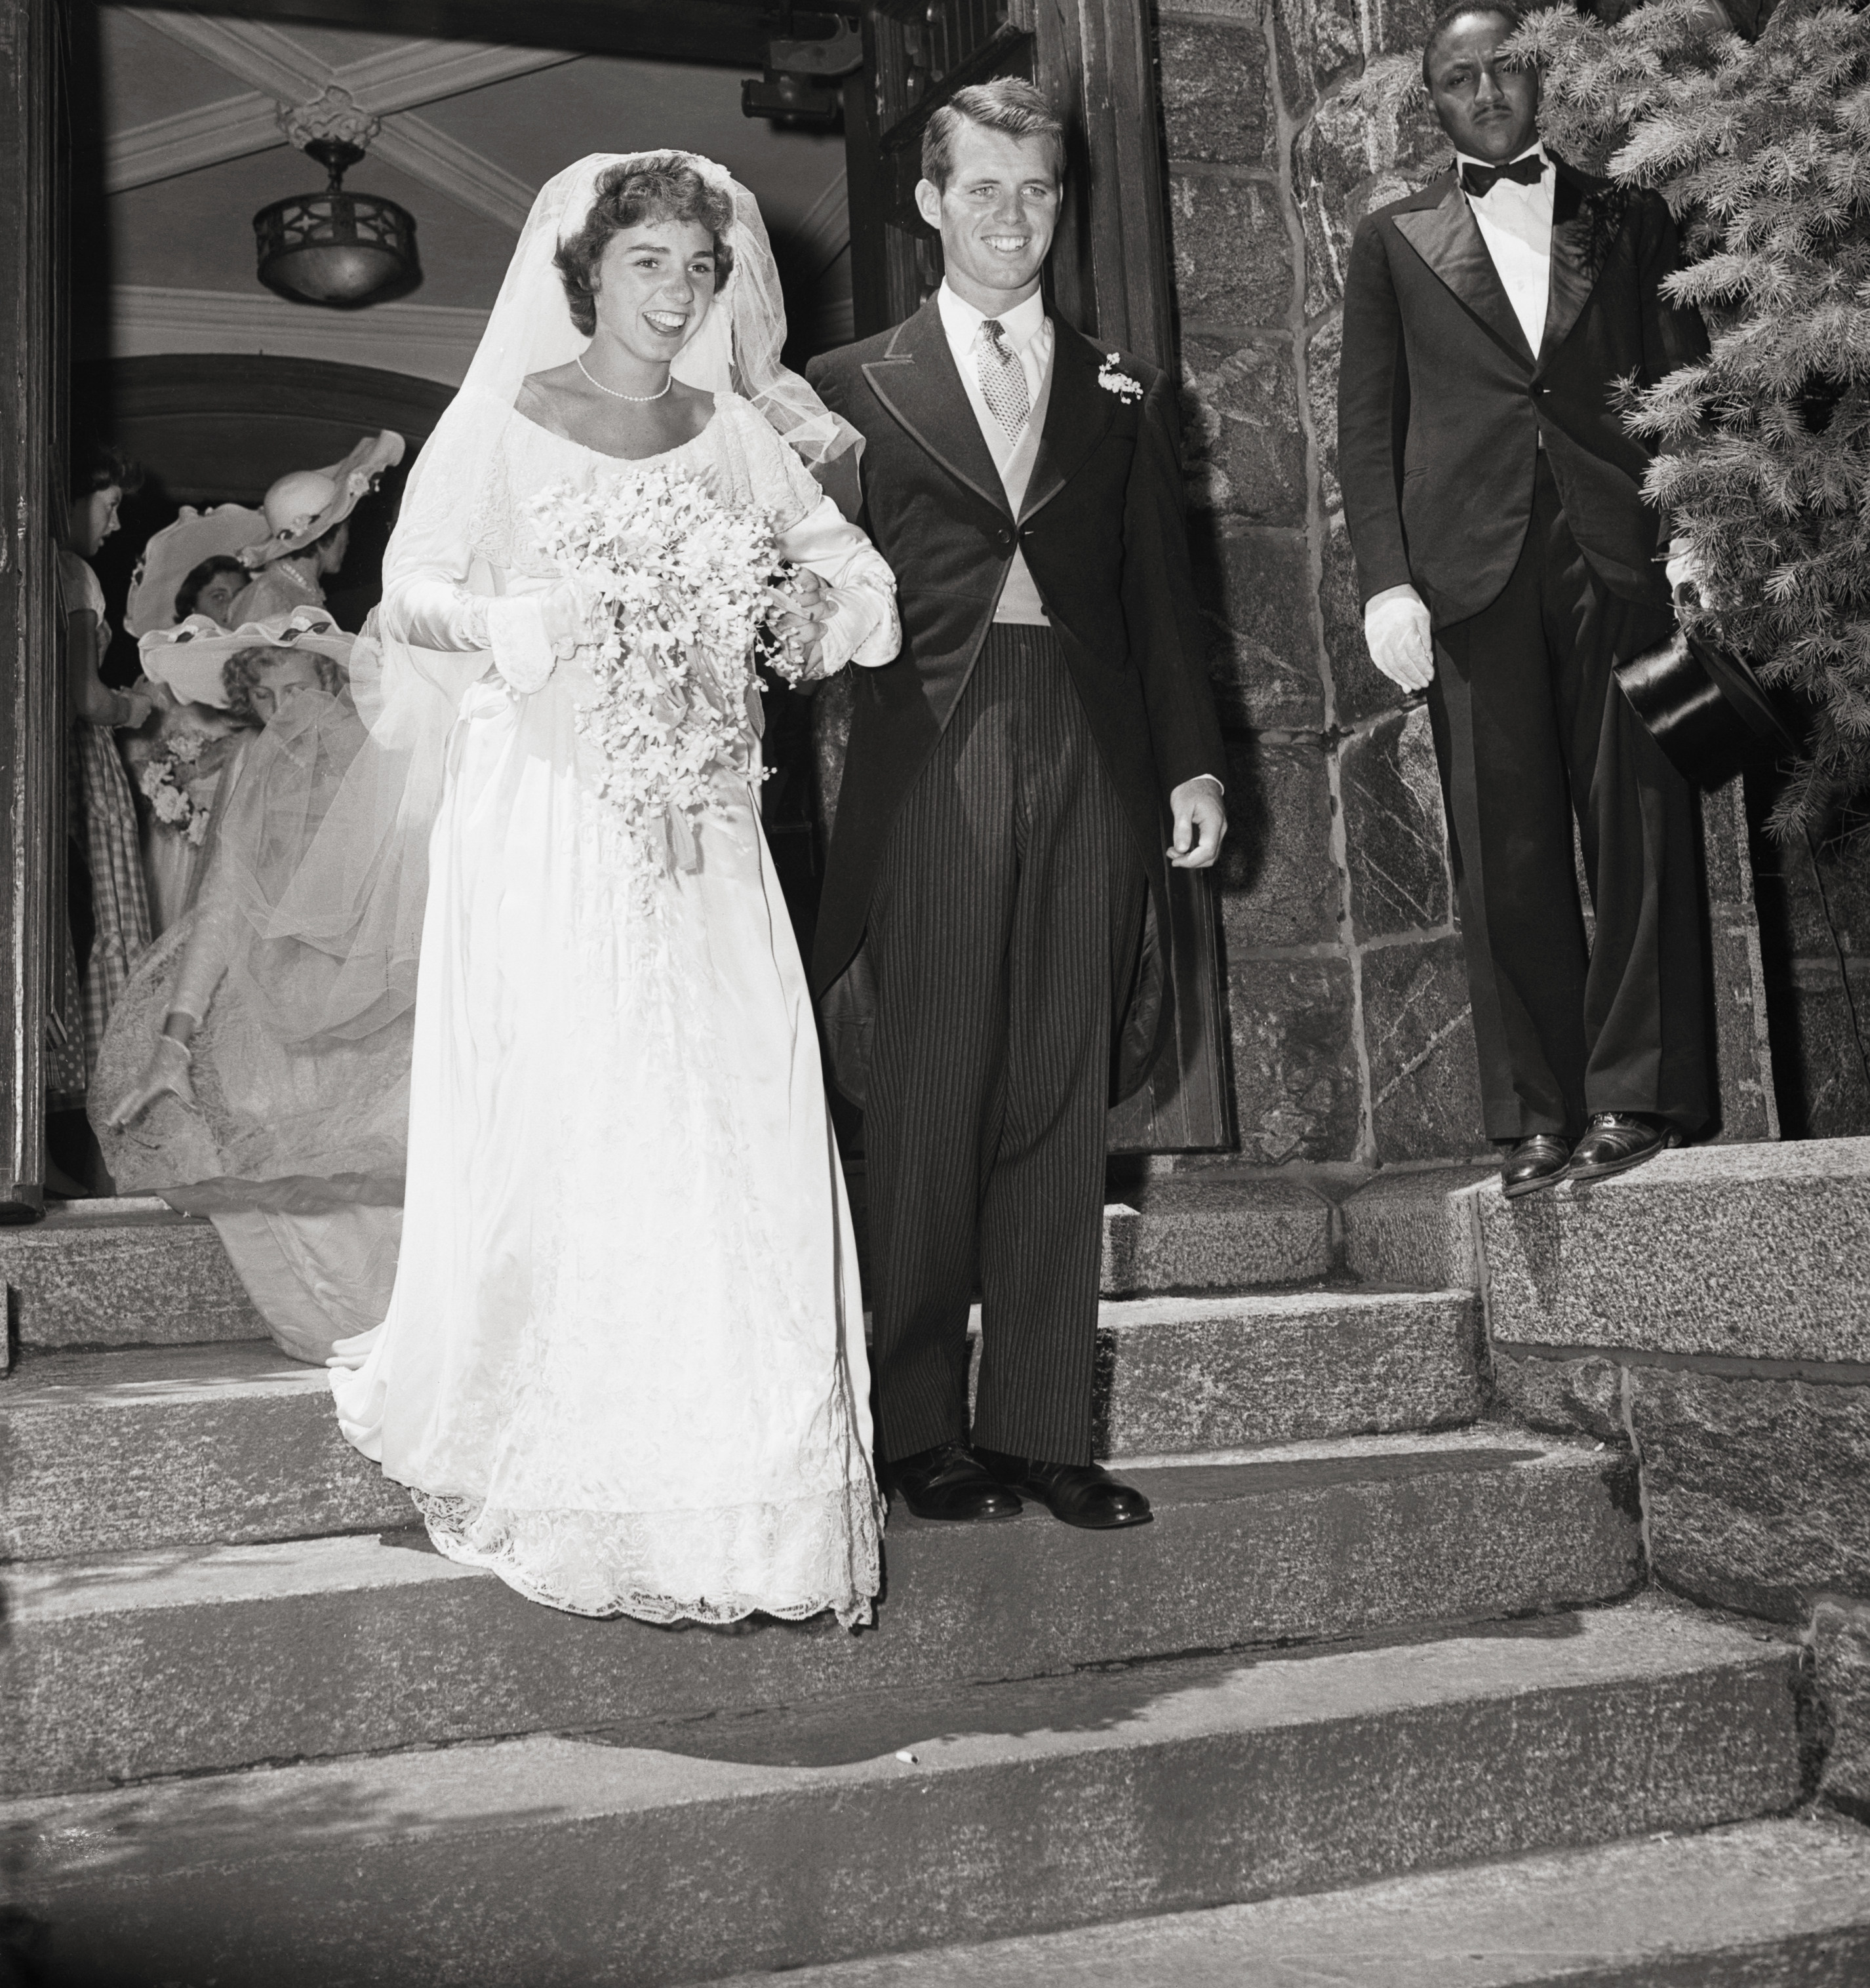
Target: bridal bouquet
(681,581)
(164,778)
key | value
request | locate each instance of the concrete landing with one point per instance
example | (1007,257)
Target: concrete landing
(1759,1904)
(787,1839)
(179,1659)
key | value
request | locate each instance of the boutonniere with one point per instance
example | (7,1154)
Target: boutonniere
(1113,379)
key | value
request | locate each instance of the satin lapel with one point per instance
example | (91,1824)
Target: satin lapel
(1077,416)
(916,381)
(1448,239)
(1574,278)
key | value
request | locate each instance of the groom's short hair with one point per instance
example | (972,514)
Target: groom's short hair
(1009,104)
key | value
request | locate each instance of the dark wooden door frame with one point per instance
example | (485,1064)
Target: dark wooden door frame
(32,479)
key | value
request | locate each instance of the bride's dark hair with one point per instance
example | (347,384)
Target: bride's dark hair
(664,188)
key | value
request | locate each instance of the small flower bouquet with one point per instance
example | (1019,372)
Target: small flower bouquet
(164,777)
(680,584)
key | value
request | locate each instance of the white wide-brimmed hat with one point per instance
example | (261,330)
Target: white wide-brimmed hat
(189,658)
(304,504)
(175,552)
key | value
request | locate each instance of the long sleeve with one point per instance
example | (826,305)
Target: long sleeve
(1168,636)
(1373,393)
(426,602)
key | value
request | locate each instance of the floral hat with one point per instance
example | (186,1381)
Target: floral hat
(188,658)
(175,552)
(304,504)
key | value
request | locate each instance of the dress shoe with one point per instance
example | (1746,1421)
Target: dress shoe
(1533,1163)
(949,1482)
(1613,1142)
(1081,1494)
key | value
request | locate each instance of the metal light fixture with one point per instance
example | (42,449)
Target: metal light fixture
(335,249)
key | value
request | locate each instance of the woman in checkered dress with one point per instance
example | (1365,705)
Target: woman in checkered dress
(104,810)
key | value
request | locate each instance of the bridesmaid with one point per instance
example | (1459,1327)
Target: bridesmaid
(187,568)
(104,809)
(308,518)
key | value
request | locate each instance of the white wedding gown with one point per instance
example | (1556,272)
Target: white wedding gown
(623,1364)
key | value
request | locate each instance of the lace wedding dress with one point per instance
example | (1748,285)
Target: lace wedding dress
(623,1364)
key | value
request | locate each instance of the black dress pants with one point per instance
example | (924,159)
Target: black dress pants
(1003,934)
(1530,728)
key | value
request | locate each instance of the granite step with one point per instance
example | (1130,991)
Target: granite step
(1755,1251)
(180,1659)
(796,1836)
(143,1446)
(1783,1904)
(133,1273)
(129,1272)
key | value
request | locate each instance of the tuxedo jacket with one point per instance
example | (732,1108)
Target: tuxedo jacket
(1103,532)
(1441,404)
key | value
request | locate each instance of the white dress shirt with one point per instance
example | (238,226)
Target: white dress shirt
(1515,224)
(1028,331)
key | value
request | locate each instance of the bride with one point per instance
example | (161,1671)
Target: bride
(623,1366)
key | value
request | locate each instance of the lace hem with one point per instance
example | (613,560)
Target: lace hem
(791,1559)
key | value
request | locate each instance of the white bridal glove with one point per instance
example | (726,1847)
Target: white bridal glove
(165,1075)
(1396,630)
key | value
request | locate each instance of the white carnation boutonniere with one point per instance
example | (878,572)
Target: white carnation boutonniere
(1113,379)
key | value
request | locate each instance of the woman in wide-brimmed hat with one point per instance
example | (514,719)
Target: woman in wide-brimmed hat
(190,568)
(308,529)
(247,1073)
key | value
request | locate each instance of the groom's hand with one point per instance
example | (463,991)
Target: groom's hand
(1200,817)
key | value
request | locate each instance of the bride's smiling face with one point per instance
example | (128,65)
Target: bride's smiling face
(655,285)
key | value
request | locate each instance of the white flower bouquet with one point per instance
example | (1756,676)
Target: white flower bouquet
(680,584)
(164,777)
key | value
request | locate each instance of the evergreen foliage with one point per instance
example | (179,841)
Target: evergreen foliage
(1762,149)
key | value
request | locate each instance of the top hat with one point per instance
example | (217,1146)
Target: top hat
(304,504)
(1705,707)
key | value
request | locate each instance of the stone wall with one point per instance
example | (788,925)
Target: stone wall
(1350,1038)
(1710,1312)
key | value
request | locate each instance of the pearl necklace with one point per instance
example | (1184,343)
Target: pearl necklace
(639,398)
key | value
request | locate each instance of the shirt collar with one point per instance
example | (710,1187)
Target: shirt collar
(962,321)
(1537,146)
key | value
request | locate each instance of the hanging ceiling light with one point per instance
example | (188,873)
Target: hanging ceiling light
(335,249)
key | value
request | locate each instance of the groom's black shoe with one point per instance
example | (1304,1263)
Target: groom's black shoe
(1081,1494)
(949,1482)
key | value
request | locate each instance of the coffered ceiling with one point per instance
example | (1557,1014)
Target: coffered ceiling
(189,131)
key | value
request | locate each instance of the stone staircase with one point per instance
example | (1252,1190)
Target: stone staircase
(1384,1687)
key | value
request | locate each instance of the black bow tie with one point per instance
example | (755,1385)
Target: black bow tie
(1478,181)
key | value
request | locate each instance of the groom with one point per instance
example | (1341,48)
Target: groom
(991,948)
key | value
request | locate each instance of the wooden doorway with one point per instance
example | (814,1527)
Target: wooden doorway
(1110,277)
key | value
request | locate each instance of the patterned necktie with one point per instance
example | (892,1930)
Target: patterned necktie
(1003,378)
(1478,181)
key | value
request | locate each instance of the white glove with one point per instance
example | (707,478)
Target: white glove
(165,1075)
(1396,630)
(1684,571)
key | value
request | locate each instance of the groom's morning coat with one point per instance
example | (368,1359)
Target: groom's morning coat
(1103,533)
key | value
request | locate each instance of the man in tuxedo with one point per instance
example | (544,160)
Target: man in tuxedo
(1506,560)
(990,945)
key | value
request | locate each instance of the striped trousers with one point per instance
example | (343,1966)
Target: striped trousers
(1003,933)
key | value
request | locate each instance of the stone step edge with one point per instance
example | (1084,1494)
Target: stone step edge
(194,1660)
(1241,1781)
(1630,1914)
(103,1583)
